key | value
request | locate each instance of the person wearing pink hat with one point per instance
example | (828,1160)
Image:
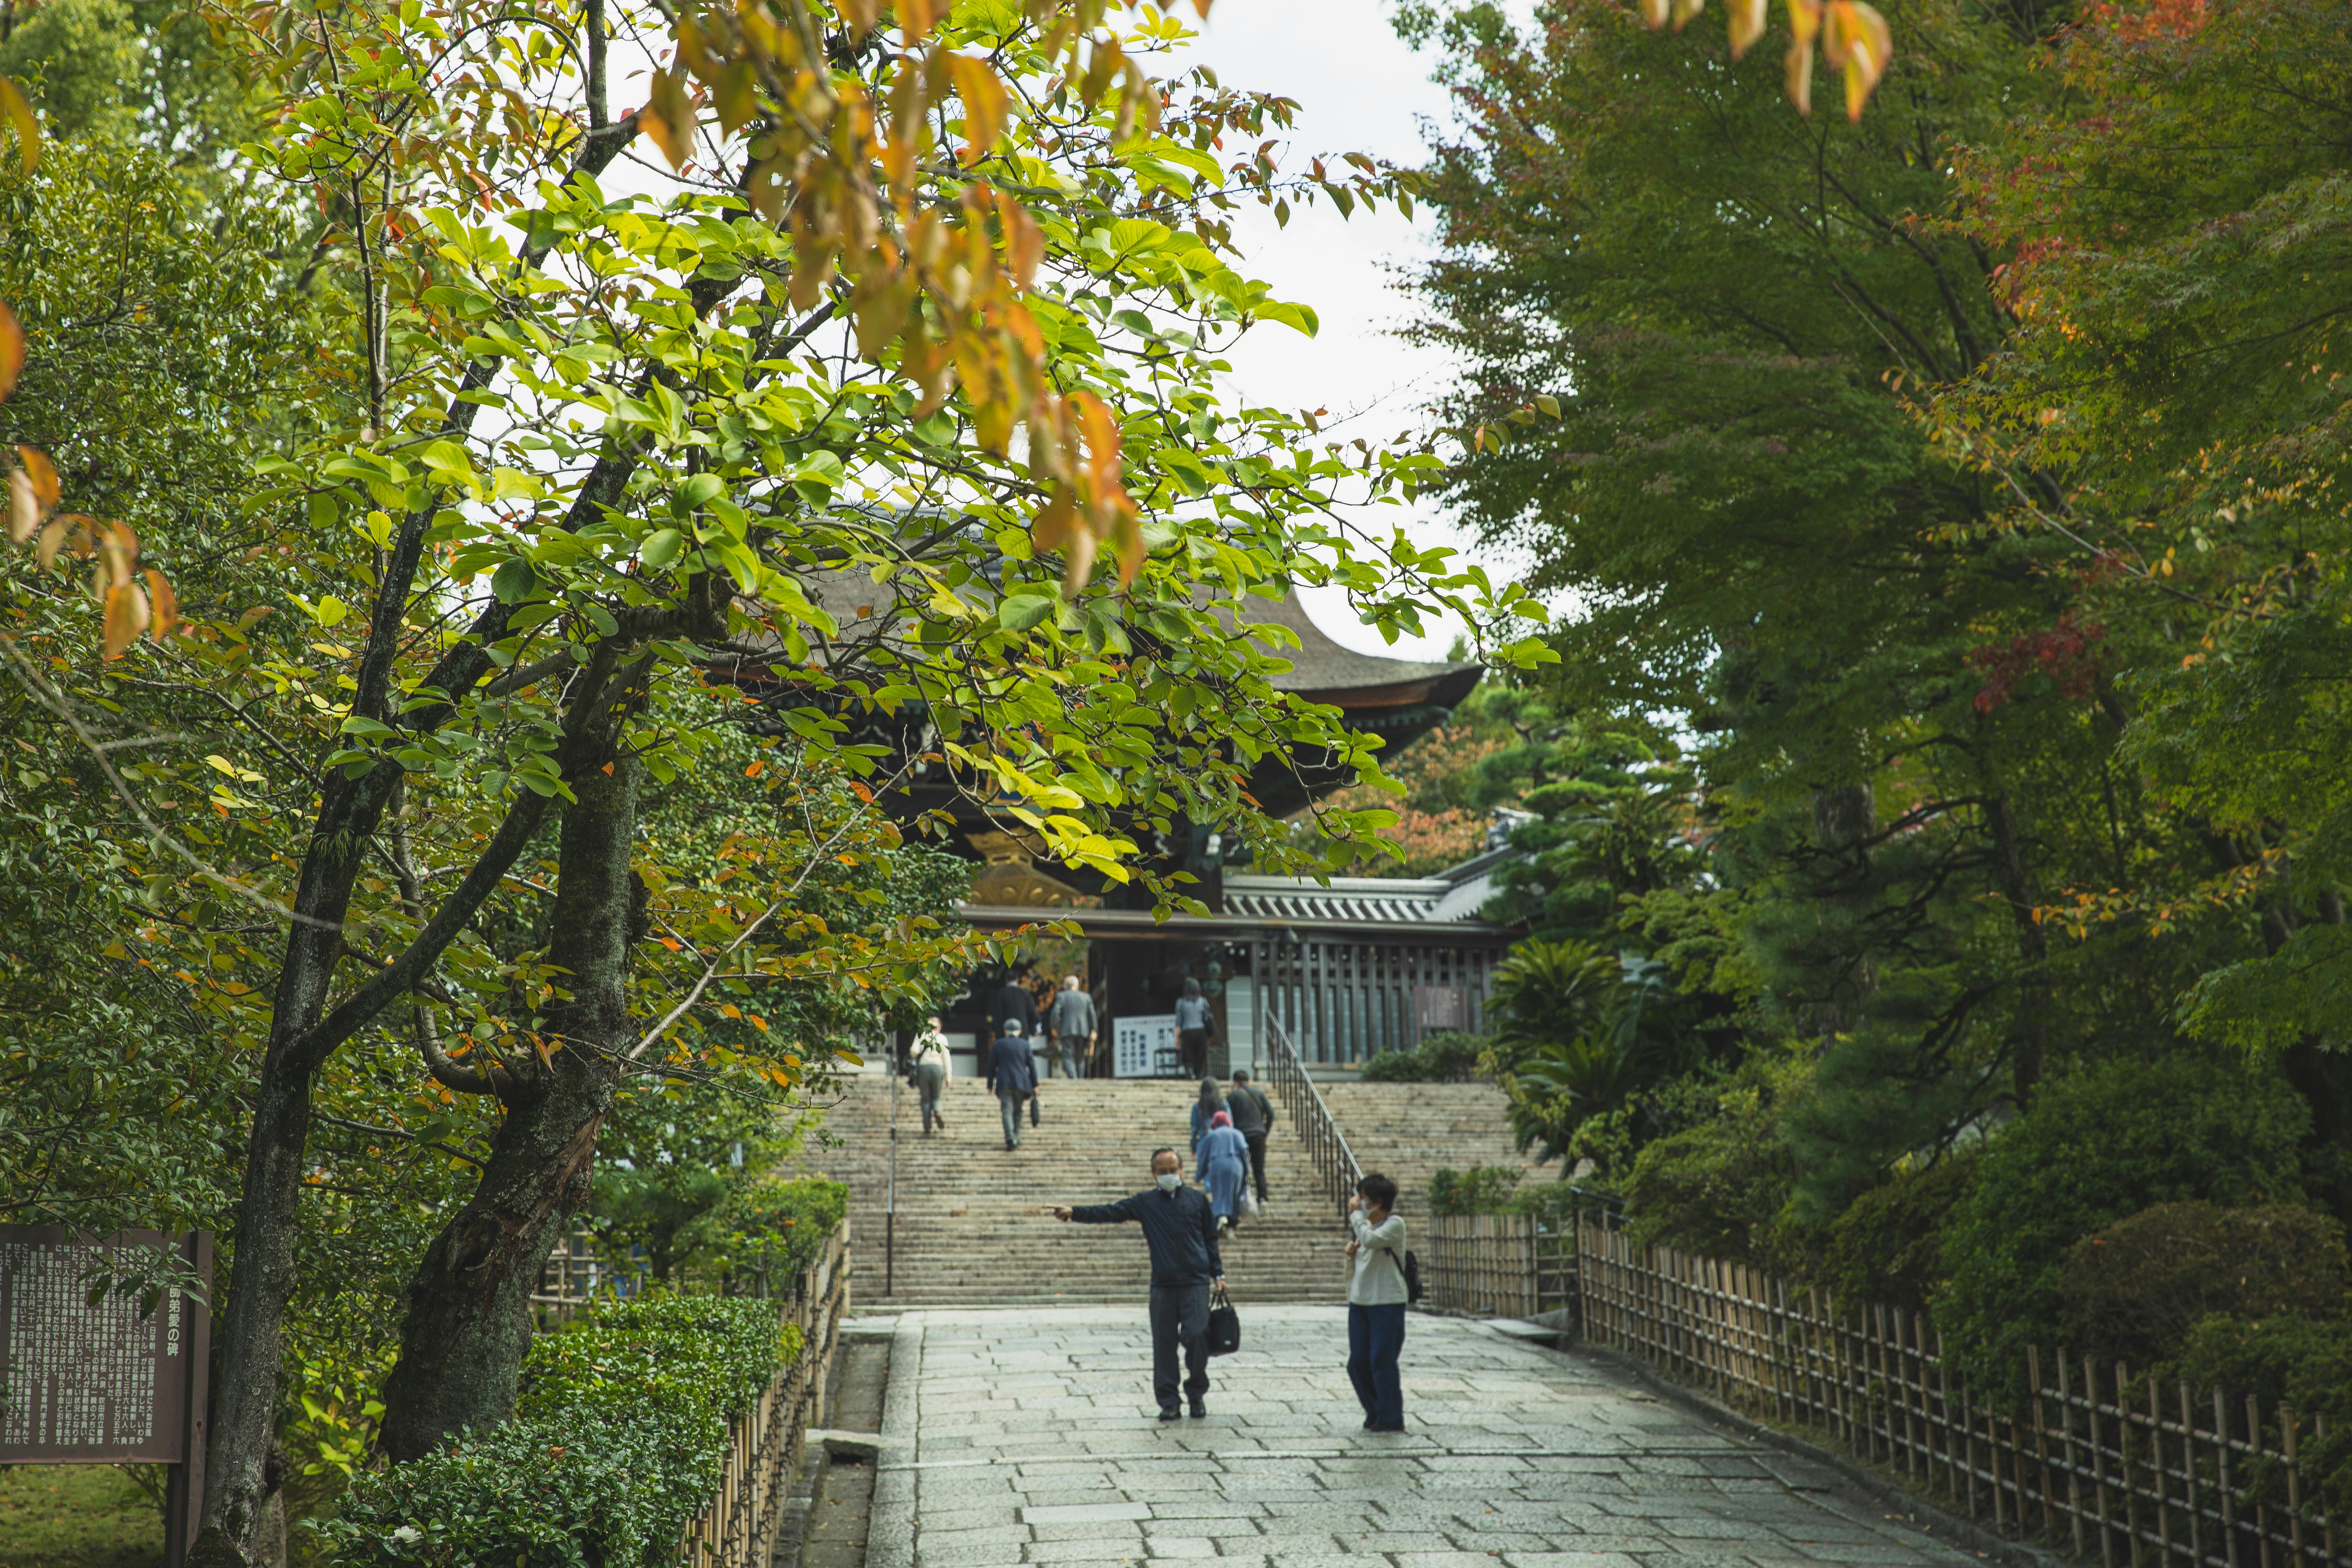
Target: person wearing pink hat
(1223,1164)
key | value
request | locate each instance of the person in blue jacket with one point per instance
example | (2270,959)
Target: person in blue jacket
(1210,1100)
(1224,1166)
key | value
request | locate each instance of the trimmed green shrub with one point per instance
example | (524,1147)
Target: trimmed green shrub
(703,1355)
(535,1494)
(1720,1189)
(2092,1150)
(1889,1246)
(1442,1058)
(1481,1189)
(768,1233)
(2303,1363)
(619,1438)
(2132,1291)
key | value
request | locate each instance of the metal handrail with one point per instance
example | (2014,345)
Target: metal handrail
(1311,1118)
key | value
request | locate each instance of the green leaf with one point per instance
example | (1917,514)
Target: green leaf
(514,582)
(1022,611)
(661,548)
(1300,317)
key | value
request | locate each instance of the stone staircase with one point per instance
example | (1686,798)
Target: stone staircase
(975,1224)
(1409,1132)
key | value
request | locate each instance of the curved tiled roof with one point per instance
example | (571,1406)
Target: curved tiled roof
(1454,895)
(1319,666)
(1320,670)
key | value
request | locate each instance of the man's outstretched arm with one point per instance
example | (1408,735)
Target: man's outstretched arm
(1098,1214)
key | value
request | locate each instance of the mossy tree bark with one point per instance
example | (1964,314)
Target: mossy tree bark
(468,1325)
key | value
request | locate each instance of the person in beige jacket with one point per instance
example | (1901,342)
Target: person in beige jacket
(1376,1302)
(933,1066)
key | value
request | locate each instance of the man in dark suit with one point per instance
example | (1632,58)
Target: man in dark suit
(1013,1004)
(1013,1077)
(1010,1004)
(1181,1229)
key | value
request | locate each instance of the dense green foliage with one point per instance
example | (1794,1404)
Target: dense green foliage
(2133,1292)
(1481,1189)
(2095,1149)
(1719,1187)
(1889,1246)
(1953,506)
(1444,1057)
(768,1232)
(618,1443)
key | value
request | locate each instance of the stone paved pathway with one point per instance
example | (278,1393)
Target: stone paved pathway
(1029,1436)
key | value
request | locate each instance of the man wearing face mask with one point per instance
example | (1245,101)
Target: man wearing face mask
(1181,1229)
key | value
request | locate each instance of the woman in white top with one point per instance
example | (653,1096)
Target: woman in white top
(931,1068)
(1376,1301)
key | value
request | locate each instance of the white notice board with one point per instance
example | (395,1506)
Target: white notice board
(1135,1044)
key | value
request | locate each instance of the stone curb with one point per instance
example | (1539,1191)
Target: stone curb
(1953,1530)
(890,1526)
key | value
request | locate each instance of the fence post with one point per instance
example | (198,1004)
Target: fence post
(2229,1493)
(2294,1481)
(2157,1474)
(2327,1519)
(2041,1439)
(2254,1447)
(2099,1463)
(2189,1478)
(1952,1424)
(1785,1385)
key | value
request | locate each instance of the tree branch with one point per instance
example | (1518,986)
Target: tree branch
(403,973)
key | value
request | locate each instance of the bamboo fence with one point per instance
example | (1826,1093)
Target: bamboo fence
(2118,1469)
(1497,1266)
(738,1530)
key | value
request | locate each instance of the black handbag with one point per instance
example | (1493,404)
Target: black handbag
(1224,1326)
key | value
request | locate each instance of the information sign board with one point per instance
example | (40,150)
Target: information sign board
(86,1382)
(1441,1008)
(1135,1044)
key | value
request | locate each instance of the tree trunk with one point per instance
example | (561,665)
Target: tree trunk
(2032,952)
(1844,817)
(469,1315)
(2324,1078)
(252,1324)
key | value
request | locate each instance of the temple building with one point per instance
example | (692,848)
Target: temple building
(1343,970)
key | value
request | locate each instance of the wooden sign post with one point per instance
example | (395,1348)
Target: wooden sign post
(104,1384)
(1437,1007)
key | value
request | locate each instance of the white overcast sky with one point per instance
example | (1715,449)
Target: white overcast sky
(1359,90)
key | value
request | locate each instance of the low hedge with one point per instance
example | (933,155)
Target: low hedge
(2133,1292)
(771,1231)
(618,1440)
(2092,1150)
(1481,1189)
(1442,1058)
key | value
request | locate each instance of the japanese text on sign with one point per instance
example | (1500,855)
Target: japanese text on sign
(81,1380)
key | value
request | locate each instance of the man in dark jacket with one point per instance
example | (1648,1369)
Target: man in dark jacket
(1253,1115)
(1014,1004)
(1011,1078)
(1181,1229)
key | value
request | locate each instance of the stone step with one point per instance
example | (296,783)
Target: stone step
(975,1223)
